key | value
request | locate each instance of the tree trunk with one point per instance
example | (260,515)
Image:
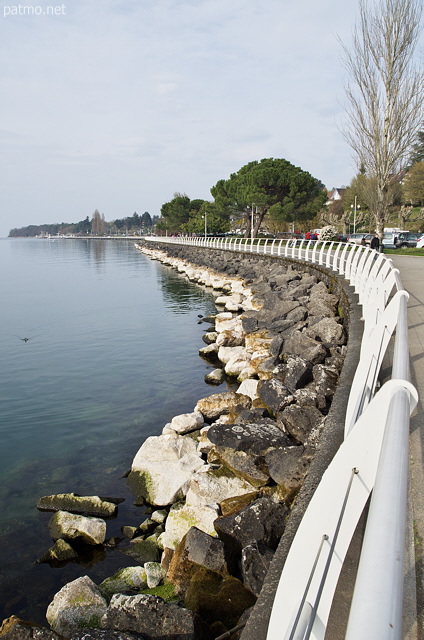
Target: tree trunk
(258,222)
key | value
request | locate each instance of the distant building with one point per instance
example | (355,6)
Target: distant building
(335,194)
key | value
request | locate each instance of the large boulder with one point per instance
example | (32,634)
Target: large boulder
(299,344)
(285,463)
(210,337)
(258,342)
(216,377)
(85,505)
(70,527)
(143,550)
(154,574)
(327,330)
(237,364)
(231,303)
(210,352)
(77,605)
(274,394)
(197,549)
(322,303)
(229,339)
(218,598)
(242,448)
(263,520)
(325,380)
(127,580)
(60,552)
(213,484)
(288,467)
(254,564)
(228,322)
(219,404)
(182,517)
(295,372)
(186,422)
(249,387)
(300,422)
(14,628)
(152,617)
(225,354)
(162,468)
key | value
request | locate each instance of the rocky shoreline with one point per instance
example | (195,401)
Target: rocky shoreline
(221,481)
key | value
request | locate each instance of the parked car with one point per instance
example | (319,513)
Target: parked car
(407,239)
(390,240)
(420,242)
(356,238)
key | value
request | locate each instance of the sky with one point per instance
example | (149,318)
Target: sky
(116,104)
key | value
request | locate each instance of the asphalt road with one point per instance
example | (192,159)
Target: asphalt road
(412,275)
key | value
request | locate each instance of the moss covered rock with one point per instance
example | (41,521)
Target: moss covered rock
(77,605)
(127,580)
(217,598)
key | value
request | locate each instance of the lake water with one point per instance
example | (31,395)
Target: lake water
(112,356)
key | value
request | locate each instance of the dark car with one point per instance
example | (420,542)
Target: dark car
(407,239)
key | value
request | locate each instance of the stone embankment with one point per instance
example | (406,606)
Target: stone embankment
(223,480)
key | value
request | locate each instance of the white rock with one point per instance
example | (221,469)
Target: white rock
(165,465)
(124,581)
(225,354)
(233,306)
(207,486)
(163,449)
(236,364)
(231,303)
(205,445)
(209,350)
(159,516)
(167,431)
(78,604)
(217,281)
(182,517)
(249,388)
(70,526)
(259,341)
(232,324)
(154,574)
(186,422)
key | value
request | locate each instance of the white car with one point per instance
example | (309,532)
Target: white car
(420,242)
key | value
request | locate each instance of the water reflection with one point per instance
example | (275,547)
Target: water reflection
(116,346)
(180,295)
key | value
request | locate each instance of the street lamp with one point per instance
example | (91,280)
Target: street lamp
(205,218)
(354,207)
(252,222)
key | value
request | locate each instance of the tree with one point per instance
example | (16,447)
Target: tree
(146,220)
(98,224)
(385,93)
(208,217)
(417,153)
(414,184)
(174,213)
(271,186)
(84,226)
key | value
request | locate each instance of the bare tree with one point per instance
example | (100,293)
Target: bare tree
(385,93)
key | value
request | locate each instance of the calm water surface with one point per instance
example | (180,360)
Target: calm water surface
(112,356)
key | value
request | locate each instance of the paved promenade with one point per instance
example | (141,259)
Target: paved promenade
(412,275)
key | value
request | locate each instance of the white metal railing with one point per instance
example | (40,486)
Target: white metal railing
(373,458)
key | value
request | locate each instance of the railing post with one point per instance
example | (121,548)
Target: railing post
(336,256)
